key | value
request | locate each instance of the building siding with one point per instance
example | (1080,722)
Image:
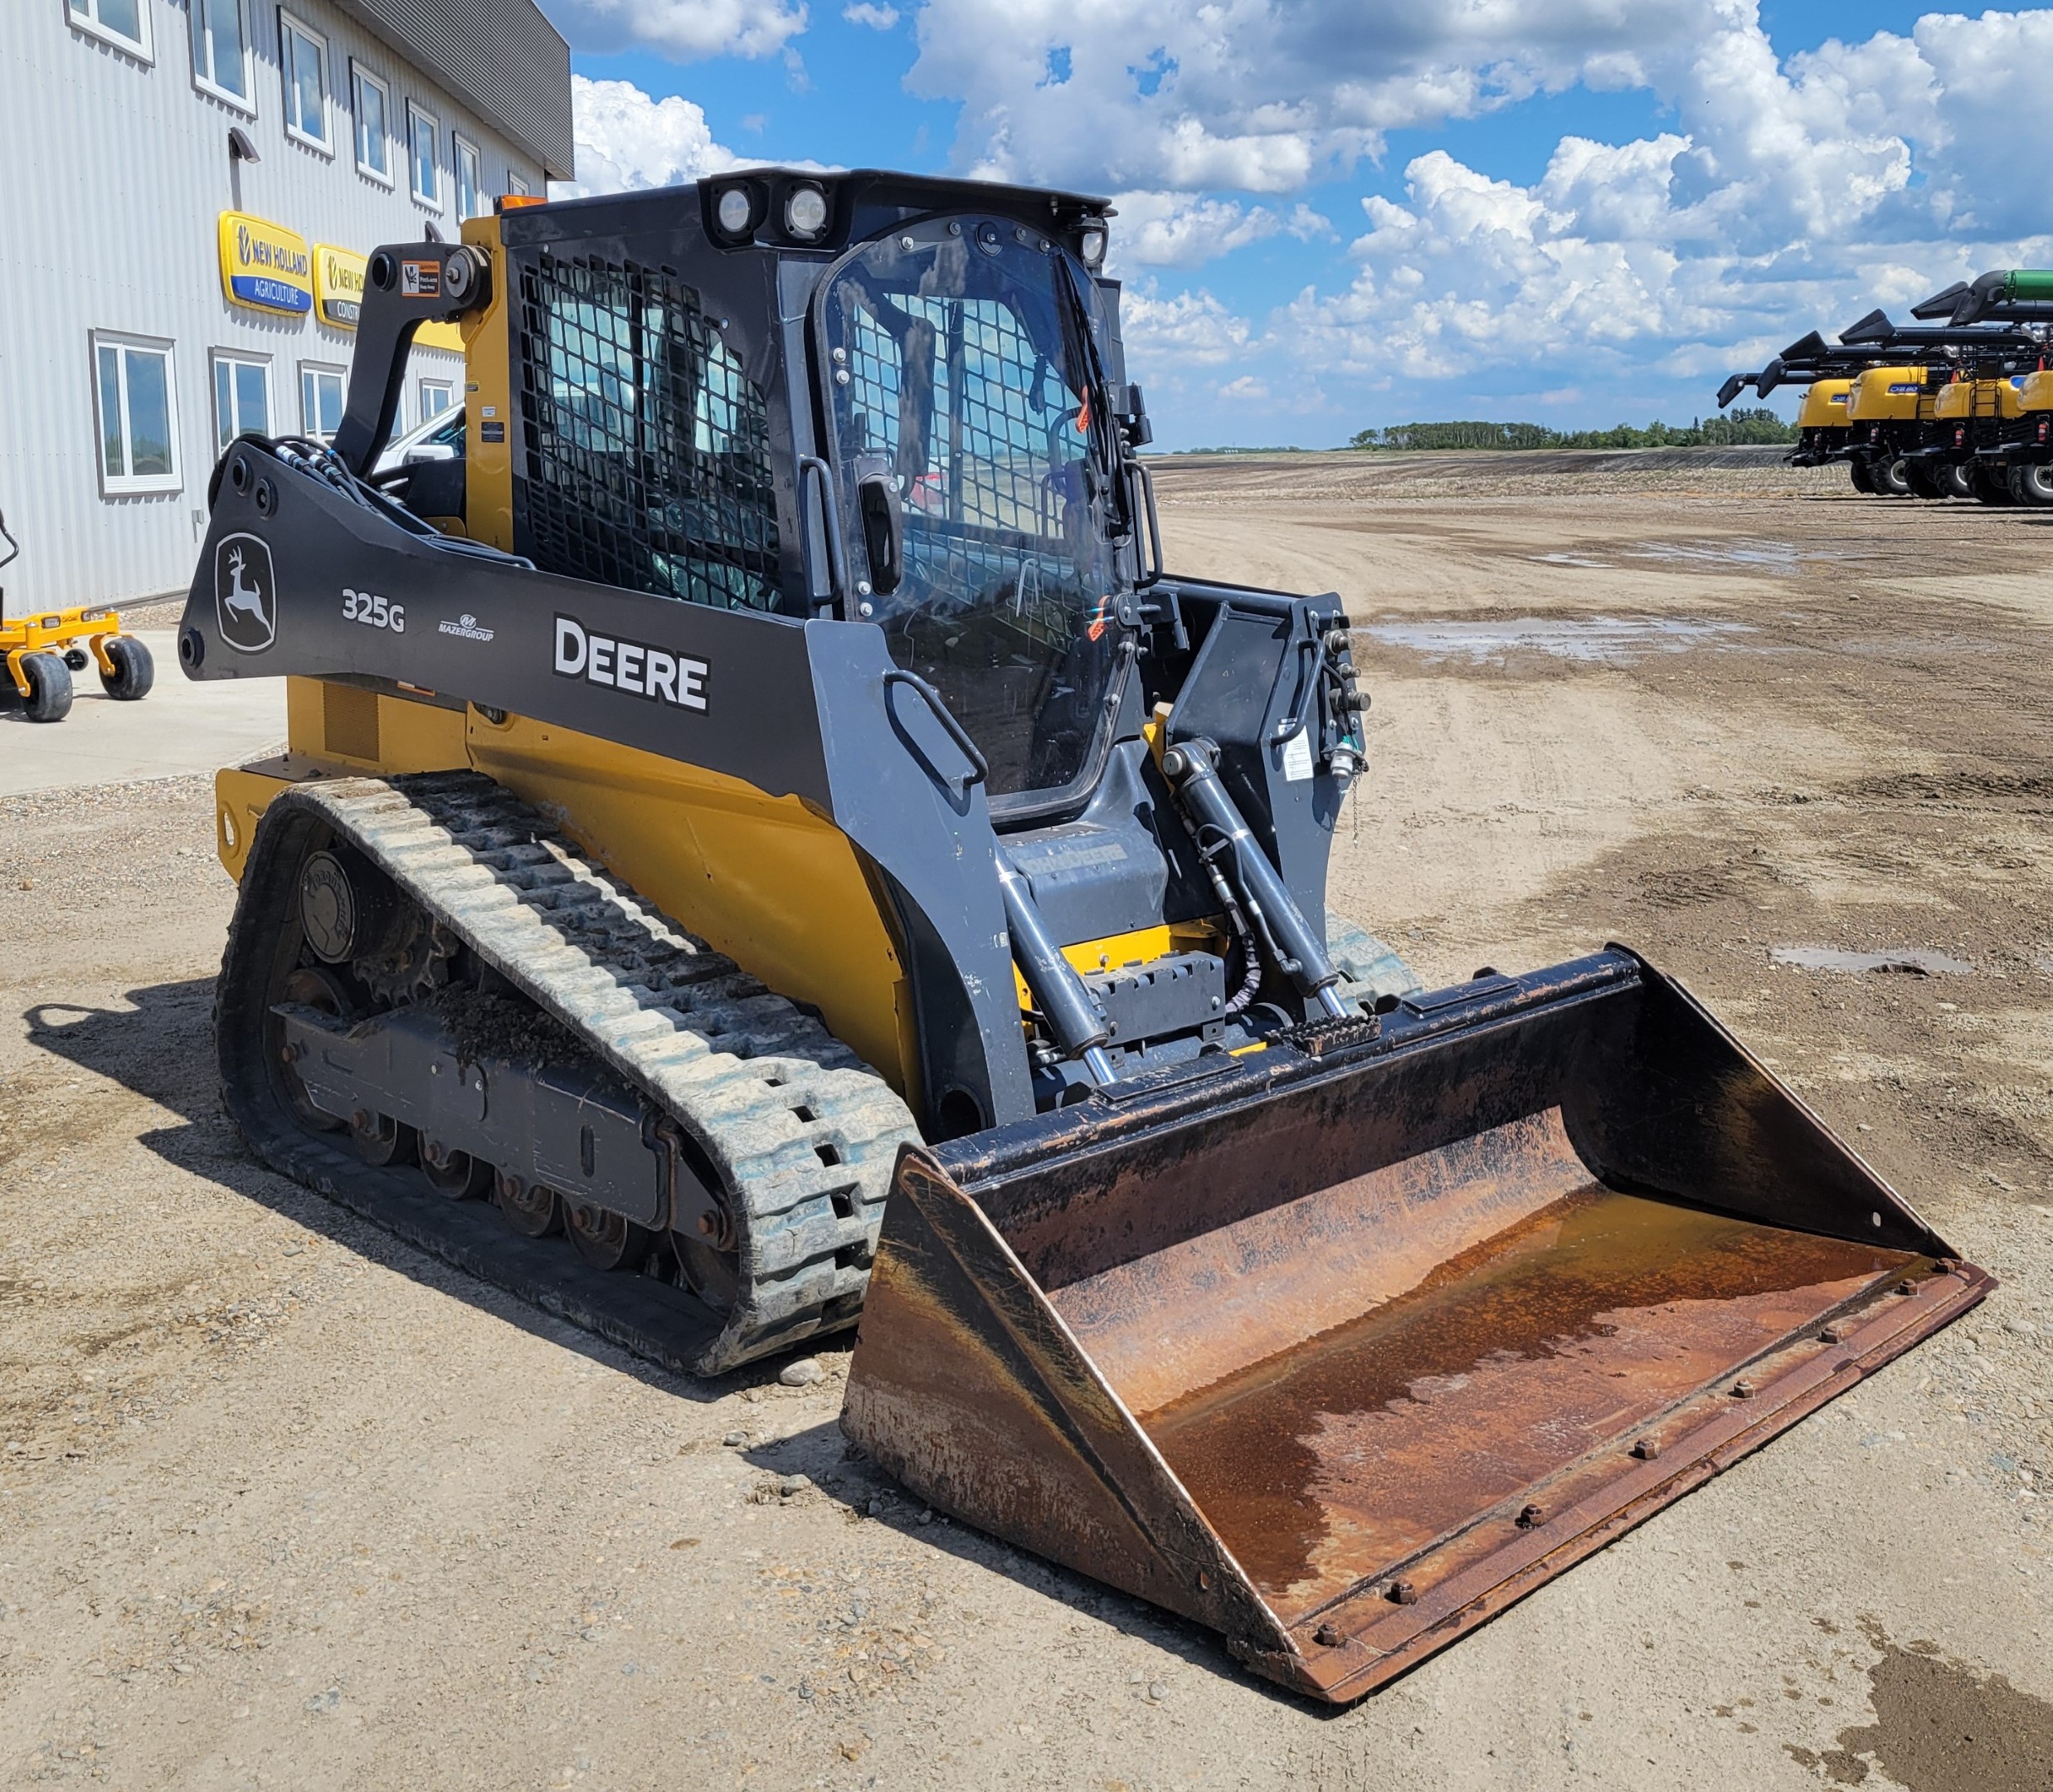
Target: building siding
(118,172)
(501,53)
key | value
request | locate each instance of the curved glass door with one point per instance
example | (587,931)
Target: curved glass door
(960,373)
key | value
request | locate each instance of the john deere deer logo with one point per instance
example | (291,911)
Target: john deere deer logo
(245,595)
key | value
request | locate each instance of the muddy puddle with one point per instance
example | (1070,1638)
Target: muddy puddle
(1589,641)
(1780,559)
(1917,961)
(1939,1727)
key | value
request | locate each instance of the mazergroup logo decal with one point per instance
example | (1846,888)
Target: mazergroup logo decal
(634,667)
(246,593)
(465,628)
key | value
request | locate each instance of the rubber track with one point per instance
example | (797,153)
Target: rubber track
(802,1132)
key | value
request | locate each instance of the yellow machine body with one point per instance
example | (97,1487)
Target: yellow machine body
(1891,395)
(1964,399)
(1824,404)
(2036,393)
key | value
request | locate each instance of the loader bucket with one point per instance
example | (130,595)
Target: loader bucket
(1342,1349)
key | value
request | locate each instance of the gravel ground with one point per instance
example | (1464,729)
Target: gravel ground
(284,1503)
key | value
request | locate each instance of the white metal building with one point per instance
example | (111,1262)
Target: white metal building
(187,189)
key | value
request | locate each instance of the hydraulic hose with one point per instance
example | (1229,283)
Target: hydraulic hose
(1265,899)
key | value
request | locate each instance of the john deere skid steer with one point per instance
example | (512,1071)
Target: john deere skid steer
(767,813)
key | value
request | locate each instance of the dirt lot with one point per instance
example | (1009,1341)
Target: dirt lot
(283,1503)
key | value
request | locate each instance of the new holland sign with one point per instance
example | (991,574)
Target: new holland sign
(337,285)
(265,266)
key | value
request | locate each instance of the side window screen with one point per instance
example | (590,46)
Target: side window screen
(648,449)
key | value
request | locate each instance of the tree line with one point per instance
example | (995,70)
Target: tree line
(1735,429)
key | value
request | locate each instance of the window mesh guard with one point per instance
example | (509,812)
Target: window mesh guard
(984,498)
(647,459)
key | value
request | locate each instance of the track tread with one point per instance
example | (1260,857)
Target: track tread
(701,1039)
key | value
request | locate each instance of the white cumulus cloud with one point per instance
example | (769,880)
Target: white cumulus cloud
(1184,95)
(626,140)
(1187,327)
(875,17)
(1183,230)
(687,29)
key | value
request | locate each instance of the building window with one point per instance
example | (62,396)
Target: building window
(139,414)
(303,55)
(374,154)
(421,131)
(514,183)
(470,179)
(220,51)
(125,23)
(436,397)
(242,398)
(320,399)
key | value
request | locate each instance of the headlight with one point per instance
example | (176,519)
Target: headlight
(805,212)
(734,211)
(1092,244)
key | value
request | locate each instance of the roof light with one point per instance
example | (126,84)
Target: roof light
(734,211)
(1091,244)
(805,212)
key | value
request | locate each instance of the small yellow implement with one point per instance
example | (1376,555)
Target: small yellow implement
(44,650)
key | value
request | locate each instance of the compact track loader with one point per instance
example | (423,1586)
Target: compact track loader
(782,825)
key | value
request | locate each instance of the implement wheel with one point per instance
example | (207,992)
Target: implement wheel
(2032,484)
(1862,477)
(1892,478)
(134,671)
(1992,488)
(1956,479)
(49,697)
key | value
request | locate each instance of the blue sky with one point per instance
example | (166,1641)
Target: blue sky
(1337,213)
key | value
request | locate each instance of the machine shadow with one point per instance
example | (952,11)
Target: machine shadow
(164,1050)
(846,1478)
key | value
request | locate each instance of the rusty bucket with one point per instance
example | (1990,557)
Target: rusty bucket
(1341,1350)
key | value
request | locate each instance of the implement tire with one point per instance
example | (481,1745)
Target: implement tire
(2032,483)
(1992,488)
(1862,477)
(1921,479)
(1892,478)
(1956,479)
(134,671)
(49,697)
